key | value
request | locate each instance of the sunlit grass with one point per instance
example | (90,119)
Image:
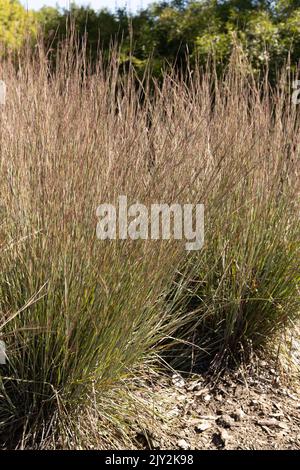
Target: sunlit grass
(81,317)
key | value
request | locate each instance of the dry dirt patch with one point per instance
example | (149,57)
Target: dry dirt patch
(257,408)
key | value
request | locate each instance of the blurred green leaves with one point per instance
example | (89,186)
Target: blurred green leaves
(171,32)
(15,24)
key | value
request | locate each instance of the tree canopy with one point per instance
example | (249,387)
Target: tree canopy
(15,23)
(171,31)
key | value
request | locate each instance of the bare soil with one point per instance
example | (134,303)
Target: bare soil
(257,407)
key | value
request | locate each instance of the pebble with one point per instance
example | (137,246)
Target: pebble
(239,415)
(224,437)
(183,444)
(203,426)
(207,397)
(225,421)
(178,381)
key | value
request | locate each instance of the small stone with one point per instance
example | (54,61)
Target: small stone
(178,381)
(221,438)
(196,386)
(224,436)
(156,444)
(225,421)
(207,397)
(238,415)
(202,426)
(183,444)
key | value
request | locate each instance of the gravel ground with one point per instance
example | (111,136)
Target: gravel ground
(257,407)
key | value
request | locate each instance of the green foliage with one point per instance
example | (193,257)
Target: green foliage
(15,24)
(171,32)
(243,286)
(83,320)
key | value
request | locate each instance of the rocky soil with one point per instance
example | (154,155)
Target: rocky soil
(257,407)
